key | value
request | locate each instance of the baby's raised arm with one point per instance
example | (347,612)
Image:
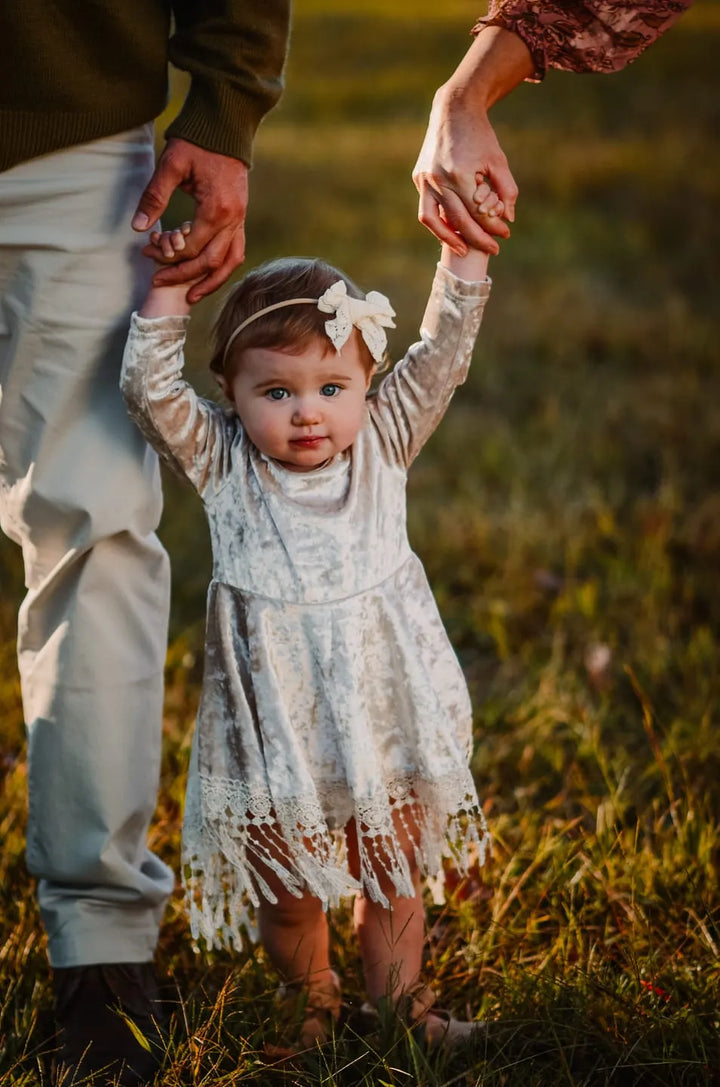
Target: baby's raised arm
(473,266)
(191,434)
(411,401)
(168,301)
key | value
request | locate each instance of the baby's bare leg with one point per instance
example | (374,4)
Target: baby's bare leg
(391,942)
(390,937)
(294,933)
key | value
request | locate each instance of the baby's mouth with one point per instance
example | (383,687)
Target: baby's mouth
(309,441)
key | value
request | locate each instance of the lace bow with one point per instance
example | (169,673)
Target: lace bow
(370,315)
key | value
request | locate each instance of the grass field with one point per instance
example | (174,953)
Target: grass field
(568,514)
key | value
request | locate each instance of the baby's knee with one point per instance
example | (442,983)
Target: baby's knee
(289,909)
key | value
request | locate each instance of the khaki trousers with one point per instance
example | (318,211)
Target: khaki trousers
(80,493)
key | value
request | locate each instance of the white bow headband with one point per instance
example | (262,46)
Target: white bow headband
(370,315)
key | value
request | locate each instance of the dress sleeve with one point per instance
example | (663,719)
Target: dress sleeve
(234,51)
(192,435)
(583,35)
(412,400)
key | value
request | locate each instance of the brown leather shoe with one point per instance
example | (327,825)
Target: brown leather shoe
(109,1020)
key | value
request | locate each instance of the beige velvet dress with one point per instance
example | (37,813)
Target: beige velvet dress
(331,691)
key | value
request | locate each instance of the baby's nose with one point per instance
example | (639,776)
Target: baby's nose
(306,413)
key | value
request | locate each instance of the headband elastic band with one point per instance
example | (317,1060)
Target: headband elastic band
(261,313)
(370,315)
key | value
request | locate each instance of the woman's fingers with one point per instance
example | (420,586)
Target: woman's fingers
(446,215)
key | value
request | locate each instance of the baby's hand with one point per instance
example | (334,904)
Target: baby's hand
(473,266)
(168,301)
(171,242)
(487,201)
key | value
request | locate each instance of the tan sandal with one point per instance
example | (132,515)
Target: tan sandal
(320,1014)
(441,1028)
(432,1026)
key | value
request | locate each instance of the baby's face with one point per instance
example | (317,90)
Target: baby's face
(301,409)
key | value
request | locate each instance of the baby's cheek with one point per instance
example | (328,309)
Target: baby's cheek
(359,420)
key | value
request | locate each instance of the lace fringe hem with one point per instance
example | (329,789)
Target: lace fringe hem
(234,835)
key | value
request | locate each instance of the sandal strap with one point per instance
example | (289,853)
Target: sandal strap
(327,997)
(412,1006)
(455,1032)
(415,1007)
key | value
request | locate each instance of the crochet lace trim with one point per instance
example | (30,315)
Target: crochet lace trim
(235,829)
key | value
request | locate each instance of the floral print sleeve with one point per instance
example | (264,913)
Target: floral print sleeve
(583,35)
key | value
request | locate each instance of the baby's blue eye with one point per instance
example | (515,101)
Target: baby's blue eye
(330,390)
(276,394)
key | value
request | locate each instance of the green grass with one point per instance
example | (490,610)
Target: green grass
(568,515)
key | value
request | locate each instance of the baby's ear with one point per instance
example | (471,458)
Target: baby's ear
(224,385)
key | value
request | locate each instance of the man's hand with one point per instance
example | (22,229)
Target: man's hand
(215,245)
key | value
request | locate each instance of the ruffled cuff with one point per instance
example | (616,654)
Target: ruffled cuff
(595,36)
(173,325)
(462,288)
(520,19)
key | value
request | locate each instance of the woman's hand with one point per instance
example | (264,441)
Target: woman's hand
(460,143)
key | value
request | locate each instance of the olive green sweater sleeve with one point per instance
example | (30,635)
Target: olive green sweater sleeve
(70,76)
(234,51)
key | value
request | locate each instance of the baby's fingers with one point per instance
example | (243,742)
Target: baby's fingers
(170,242)
(488,204)
(483,190)
(491,209)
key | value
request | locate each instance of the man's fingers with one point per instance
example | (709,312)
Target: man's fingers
(157,193)
(212,245)
(204,229)
(235,256)
(185,270)
(219,250)
(195,240)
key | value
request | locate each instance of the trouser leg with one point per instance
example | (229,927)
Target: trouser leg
(80,493)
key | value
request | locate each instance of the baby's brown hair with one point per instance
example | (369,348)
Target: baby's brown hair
(286,329)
